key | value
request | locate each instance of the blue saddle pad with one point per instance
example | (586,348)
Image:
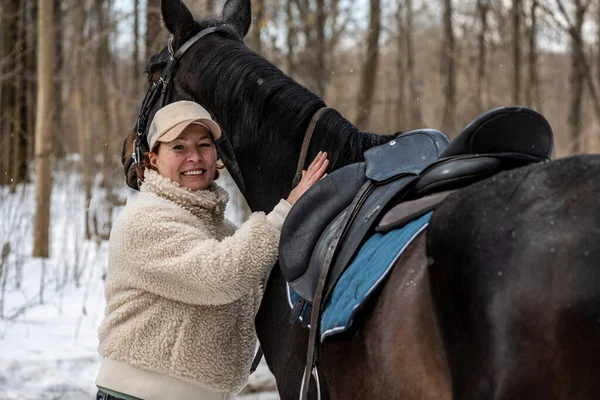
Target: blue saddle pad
(367,271)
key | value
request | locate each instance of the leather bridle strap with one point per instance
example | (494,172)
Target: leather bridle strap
(306,143)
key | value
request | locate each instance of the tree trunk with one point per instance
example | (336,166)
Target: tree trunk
(18,142)
(577,79)
(367,83)
(136,75)
(517,7)
(290,38)
(257,25)
(103,63)
(156,36)
(416,87)
(483,7)
(533,97)
(60,145)
(598,45)
(82,118)
(31,67)
(320,46)
(449,66)
(43,128)
(9,29)
(401,67)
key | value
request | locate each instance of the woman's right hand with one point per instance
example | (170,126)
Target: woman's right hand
(316,171)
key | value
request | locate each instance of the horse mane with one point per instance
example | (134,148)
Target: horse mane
(266,104)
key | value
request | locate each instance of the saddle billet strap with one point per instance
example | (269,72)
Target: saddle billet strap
(306,143)
(317,308)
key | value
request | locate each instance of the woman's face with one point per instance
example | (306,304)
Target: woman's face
(190,160)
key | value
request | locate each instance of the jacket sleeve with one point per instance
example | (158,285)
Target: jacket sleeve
(179,263)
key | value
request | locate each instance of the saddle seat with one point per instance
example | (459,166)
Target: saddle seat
(350,202)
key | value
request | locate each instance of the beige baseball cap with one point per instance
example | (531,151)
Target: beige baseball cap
(172,119)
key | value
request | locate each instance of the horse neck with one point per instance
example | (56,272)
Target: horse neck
(265,115)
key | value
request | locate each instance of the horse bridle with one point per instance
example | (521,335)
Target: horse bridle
(160,88)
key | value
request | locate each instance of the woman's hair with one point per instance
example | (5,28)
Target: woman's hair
(146,164)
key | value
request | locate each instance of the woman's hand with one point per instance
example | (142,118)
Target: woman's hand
(312,175)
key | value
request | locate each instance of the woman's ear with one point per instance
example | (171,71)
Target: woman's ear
(152,158)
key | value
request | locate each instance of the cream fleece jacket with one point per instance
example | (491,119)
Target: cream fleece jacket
(183,285)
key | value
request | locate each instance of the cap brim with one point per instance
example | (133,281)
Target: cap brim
(174,132)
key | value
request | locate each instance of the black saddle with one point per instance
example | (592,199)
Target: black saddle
(330,222)
(387,170)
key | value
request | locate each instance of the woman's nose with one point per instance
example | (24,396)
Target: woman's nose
(194,155)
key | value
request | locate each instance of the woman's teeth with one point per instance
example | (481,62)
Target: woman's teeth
(196,172)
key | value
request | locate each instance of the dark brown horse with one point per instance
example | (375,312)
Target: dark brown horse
(504,293)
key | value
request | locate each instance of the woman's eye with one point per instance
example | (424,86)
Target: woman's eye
(205,144)
(178,147)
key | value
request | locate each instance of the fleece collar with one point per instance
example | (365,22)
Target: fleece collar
(212,199)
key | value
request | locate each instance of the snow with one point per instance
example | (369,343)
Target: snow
(50,309)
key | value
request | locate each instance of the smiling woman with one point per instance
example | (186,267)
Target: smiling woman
(182,141)
(183,283)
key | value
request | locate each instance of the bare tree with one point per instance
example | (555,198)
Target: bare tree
(290,38)
(103,60)
(17,126)
(30,73)
(82,118)
(367,84)
(321,23)
(415,86)
(401,65)
(258,23)
(136,46)
(580,71)
(517,7)
(156,36)
(483,7)
(9,37)
(43,128)
(532,94)
(449,69)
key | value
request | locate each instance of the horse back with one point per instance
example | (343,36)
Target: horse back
(515,283)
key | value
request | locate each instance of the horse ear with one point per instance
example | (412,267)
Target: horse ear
(176,16)
(238,13)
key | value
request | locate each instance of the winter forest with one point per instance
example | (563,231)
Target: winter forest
(72,78)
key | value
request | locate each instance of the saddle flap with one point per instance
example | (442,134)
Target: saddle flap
(409,153)
(312,213)
(505,130)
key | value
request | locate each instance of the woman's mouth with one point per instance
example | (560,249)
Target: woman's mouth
(195,172)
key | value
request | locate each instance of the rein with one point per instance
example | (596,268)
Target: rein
(306,143)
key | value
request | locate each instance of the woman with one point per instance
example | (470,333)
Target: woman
(183,285)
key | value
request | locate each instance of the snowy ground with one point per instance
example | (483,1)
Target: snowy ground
(50,309)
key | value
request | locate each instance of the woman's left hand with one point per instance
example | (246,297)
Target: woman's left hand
(312,175)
